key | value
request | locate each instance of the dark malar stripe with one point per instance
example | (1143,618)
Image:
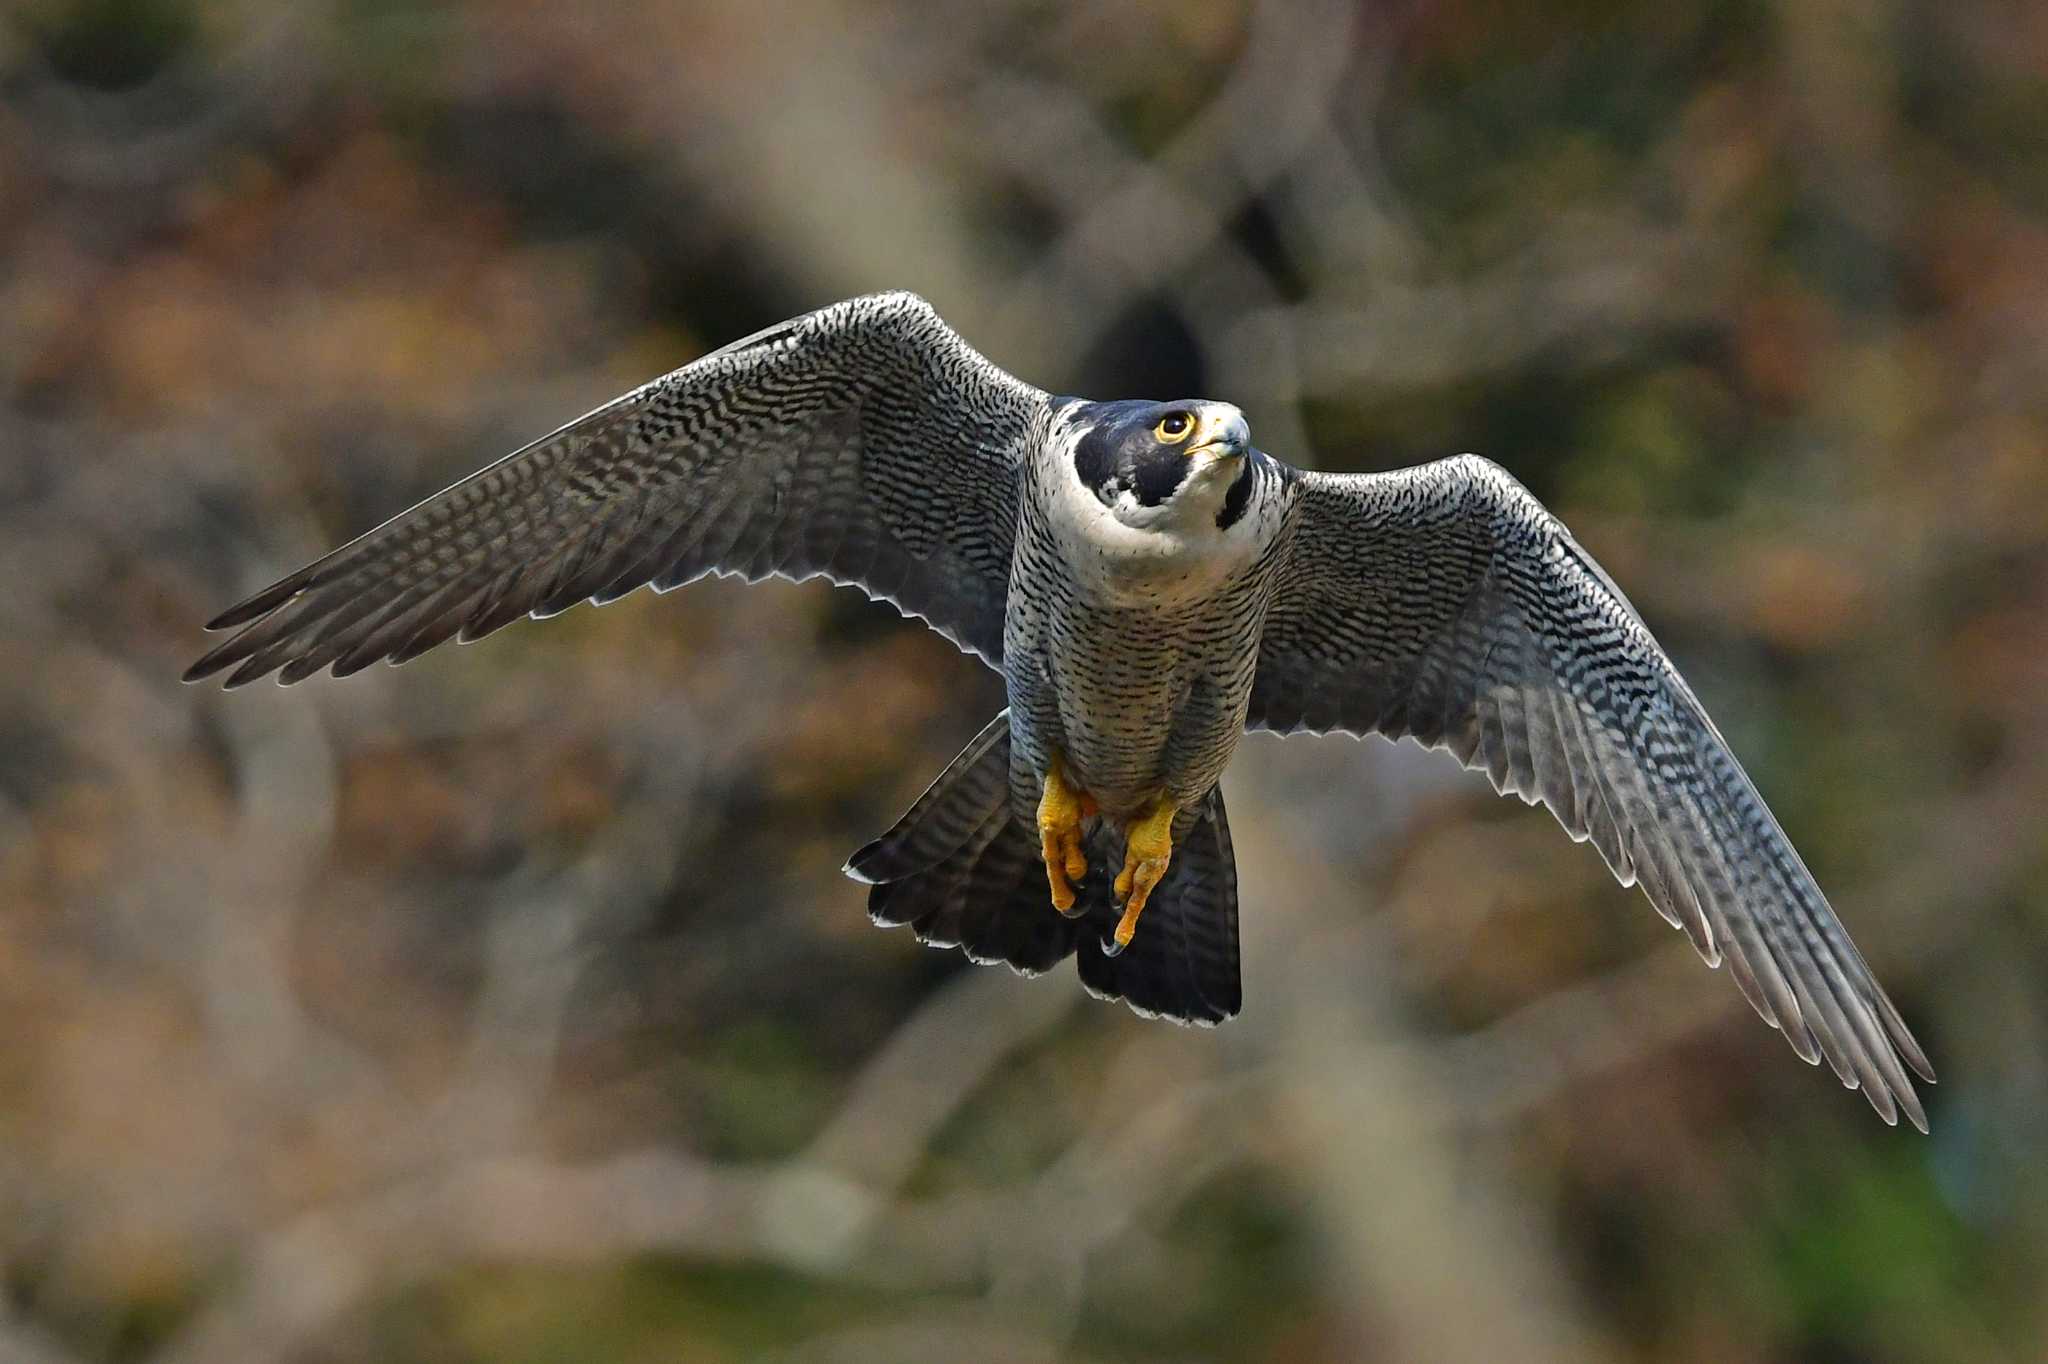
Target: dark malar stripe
(1237,499)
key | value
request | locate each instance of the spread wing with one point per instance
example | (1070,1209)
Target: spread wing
(866,443)
(1444,603)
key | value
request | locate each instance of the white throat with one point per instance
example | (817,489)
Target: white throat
(1127,553)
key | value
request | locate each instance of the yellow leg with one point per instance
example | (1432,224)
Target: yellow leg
(1148,847)
(1061,809)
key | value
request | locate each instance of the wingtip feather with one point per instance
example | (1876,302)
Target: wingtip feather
(259,603)
(1908,1046)
(218,659)
(853,870)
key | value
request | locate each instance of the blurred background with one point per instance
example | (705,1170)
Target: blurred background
(511,1006)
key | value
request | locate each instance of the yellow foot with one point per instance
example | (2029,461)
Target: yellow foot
(1148,847)
(1061,808)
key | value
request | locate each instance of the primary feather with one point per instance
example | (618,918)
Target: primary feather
(1446,604)
(866,443)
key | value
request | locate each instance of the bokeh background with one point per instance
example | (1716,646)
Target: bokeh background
(511,1006)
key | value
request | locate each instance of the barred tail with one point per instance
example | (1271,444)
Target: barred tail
(1182,964)
(962,868)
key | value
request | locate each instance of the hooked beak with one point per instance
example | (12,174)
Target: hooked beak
(1224,434)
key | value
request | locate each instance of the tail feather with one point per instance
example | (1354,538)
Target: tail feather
(962,869)
(953,809)
(1183,962)
(1001,910)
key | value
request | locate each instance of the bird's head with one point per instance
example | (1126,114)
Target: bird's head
(1165,466)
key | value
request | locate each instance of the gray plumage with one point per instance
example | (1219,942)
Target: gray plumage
(1150,586)
(865,443)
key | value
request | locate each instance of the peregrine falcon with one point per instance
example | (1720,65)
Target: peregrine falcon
(1150,586)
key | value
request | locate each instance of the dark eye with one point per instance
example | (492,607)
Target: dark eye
(1174,427)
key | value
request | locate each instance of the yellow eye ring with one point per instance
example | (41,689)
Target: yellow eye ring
(1174,428)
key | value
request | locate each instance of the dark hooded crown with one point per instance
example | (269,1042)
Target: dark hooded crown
(1120,451)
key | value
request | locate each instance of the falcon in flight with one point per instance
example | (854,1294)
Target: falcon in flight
(1150,586)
